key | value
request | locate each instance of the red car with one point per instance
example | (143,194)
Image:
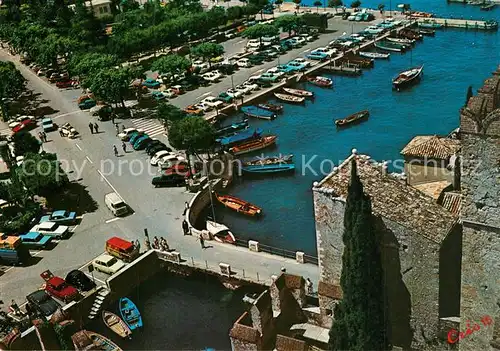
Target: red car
(57,287)
(180,168)
(66,84)
(24,124)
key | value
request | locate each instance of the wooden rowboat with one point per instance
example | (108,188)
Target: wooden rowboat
(239,205)
(253,145)
(290,98)
(323,82)
(269,160)
(130,313)
(271,107)
(85,340)
(354,118)
(116,324)
(374,55)
(298,92)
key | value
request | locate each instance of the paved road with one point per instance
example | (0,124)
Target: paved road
(159,210)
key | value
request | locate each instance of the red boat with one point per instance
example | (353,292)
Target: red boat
(253,145)
(323,82)
(239,205)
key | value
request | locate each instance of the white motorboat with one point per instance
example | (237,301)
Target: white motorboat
(220,232)
(374,55)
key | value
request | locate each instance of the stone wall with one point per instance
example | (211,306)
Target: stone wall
(431,171)
(196,206)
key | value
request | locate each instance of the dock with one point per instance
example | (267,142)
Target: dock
(344,70)
(461,23)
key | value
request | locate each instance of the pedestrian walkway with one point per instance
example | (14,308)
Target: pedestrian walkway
(5,132)
(150,126)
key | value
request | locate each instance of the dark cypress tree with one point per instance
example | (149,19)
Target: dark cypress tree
(360,320)
(469,94)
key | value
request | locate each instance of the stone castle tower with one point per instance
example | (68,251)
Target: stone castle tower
(480,215)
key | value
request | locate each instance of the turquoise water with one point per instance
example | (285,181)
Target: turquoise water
(454,59)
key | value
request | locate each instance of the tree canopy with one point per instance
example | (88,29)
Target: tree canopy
(318,3)
(111,84)
(208,51)
(287,23)
(360,320)
(355,4)
(91,62)
(169,114)
(335,3)
(172,64)
(25,143)
(11,84)
(260,30)
(192,134)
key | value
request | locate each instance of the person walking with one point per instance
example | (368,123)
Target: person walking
(113,118)
(186,207)
(202,242)
(117,129)
(96,127)
(147,244)
(309,286)
(138,245)
(40,135)
(44,136)
(91,127)
(185,227)
(115,150)
(124,147)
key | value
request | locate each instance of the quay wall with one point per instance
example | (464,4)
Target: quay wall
(197,204)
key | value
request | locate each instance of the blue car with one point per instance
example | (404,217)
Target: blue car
(142,142)
(135,136)
(317,55)
(35,240)
(151,83)
(296,66)
(285,69)
(60,216)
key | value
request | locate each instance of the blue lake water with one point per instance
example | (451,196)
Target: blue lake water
(454,59)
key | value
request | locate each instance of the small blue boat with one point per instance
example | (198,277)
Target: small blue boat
(257,112)
(130,313)
(270,168)
(224,130)
(240,137)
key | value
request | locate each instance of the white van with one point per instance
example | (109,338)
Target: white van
(116,204)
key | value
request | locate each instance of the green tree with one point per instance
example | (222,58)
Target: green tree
(355,4)
(111,84)
(172,64)
(208,51)
(335,3)
(297,4)
(168,114)
(41,173)
(89,63)
(469,94)
(318,3)
(260,30)
(129,5)
(279,3)
(360,319)
(406,8)
(287,23)
(381,8)
(11,85)
(192,134)
(25,143)
(234,12)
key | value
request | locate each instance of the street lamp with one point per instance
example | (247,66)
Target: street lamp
(232,82)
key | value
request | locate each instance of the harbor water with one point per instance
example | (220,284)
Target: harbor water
(453,59)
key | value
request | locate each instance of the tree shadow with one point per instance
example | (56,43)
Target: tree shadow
(31,103)
(74,197)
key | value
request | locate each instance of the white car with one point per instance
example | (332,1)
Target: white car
(230,34)
(253,44)
(212,76)
(250,85)
(127,133)
(158,156)
(244,62)
(270,39)
(51,229)
(276,72)
(307,37)
(303,61)
(169,160)
(234,93)
(202,66)
(169,93)
(107,264)
(203,106)
(15,122)
(300,40)
(212,101)
(243,89)
(327,51)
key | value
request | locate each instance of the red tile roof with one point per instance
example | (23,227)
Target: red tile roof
(432,146)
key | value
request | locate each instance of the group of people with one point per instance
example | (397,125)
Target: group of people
(94,127)
(158,244)
(42,136)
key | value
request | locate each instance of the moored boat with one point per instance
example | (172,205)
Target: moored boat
(269,168)
(298,92)
(354,118)
(130,313)
(233,127)
(407,77)
(427,32)
(323,82)
(220,232)
(239,205)
(488,7)
(430,25)
(102,342)
(290,98)
(86,340)
(257,112)
(271,107)
(403,41)
(374,55)
(240,137)
(389,46)
(269,160)
(253,145)
(116,324)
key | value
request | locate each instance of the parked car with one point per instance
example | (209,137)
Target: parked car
(152,150)
(67,84)
(193,110)
(35,240)
(270,53)
(169,93)
(204,107)
(79,280)
(250,84)
(201,66)
(22,123)
(270,77)
(158,95)
(52,229)
(285,69)
(168,180)
(328,51)
(302,61)
(316,55)
(142,142)
(253,44)
(152,143)
(296,66)
(60,216)
(234,93)
(133,138)
(276,72)
(86,104)
(59,288)
(48,125)
(127,133)
(151,83)
(213,101)
(226,97)
(244,62)
(42,303)
(177,89)
(107,264)
(169,160)
(212,76)
(158,156)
